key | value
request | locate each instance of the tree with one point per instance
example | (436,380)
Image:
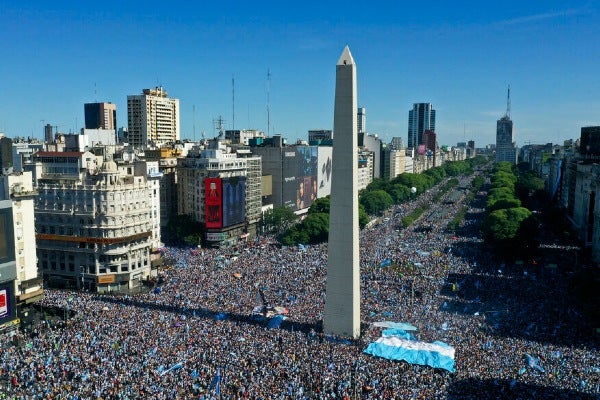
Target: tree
(278,219)
(376,202)
(502,225)
(321,205)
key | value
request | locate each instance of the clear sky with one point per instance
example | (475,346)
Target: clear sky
(458,55)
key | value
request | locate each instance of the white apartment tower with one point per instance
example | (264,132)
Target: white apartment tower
(152,118)
(28,283)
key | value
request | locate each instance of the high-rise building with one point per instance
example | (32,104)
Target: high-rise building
(420,119)
(220,190)
(589,142)
(100,116)
(506,149)
(342,304)
(361,120)
(152,118)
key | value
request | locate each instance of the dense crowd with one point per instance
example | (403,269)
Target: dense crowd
(194,335)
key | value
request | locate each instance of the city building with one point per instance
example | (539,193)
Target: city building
(216,187)
(167,166)
(420,119)
(374,144)
(243,136)
(95,221)
(18,187)
(298,174)
(318,136)
(506,149)
(152,119)
(100,116)
(361,120)
(8,266)
(397,143)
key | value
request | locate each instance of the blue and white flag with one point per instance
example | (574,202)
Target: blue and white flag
(436,354)
(174,367)
(386,263)
(216,383)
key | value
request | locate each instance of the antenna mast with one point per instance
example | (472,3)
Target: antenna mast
(508,103)
(268,102)
(233,103)
(219,123)
(194,119)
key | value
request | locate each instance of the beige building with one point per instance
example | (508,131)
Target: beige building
(95,221)
(152,118)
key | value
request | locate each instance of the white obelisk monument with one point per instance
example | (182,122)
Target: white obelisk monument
(342,305)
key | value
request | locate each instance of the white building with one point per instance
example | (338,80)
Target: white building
(152,118)
(95,221)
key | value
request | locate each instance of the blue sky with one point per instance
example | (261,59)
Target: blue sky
(459,55)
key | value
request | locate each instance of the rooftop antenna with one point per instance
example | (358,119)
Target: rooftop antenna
(508,103)
(219,124)
(232,103)
(268,102)
(194,120)
(95,93)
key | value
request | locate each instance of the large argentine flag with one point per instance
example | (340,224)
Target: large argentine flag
(436,354)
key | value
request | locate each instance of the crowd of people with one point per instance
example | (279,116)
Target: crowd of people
(194,336)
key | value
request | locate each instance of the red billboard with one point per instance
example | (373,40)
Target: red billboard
(213,203)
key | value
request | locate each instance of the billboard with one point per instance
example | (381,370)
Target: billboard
(234,200)
(7,302)
(213,204)
(421,149)
(324,171)
(299,180)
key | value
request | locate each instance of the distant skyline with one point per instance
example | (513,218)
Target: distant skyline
(459,56)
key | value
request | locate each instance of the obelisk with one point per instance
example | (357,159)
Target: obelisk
(342,304)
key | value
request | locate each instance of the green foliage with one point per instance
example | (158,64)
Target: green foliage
(313,229)
(420,181)
(502,225)
(399,193)
(278,219)
(321,205)
(504,203)
(459,217)
(527,183)
(363,217)
(414,215)
(377,201)
(477,183)
(504,166)
(185,228)
(436,173)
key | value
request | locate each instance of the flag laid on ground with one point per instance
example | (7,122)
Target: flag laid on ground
(436,354)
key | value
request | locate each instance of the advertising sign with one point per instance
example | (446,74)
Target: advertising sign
(3,303)
(234,200)
(7,302)
(213,202)
(324,171)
